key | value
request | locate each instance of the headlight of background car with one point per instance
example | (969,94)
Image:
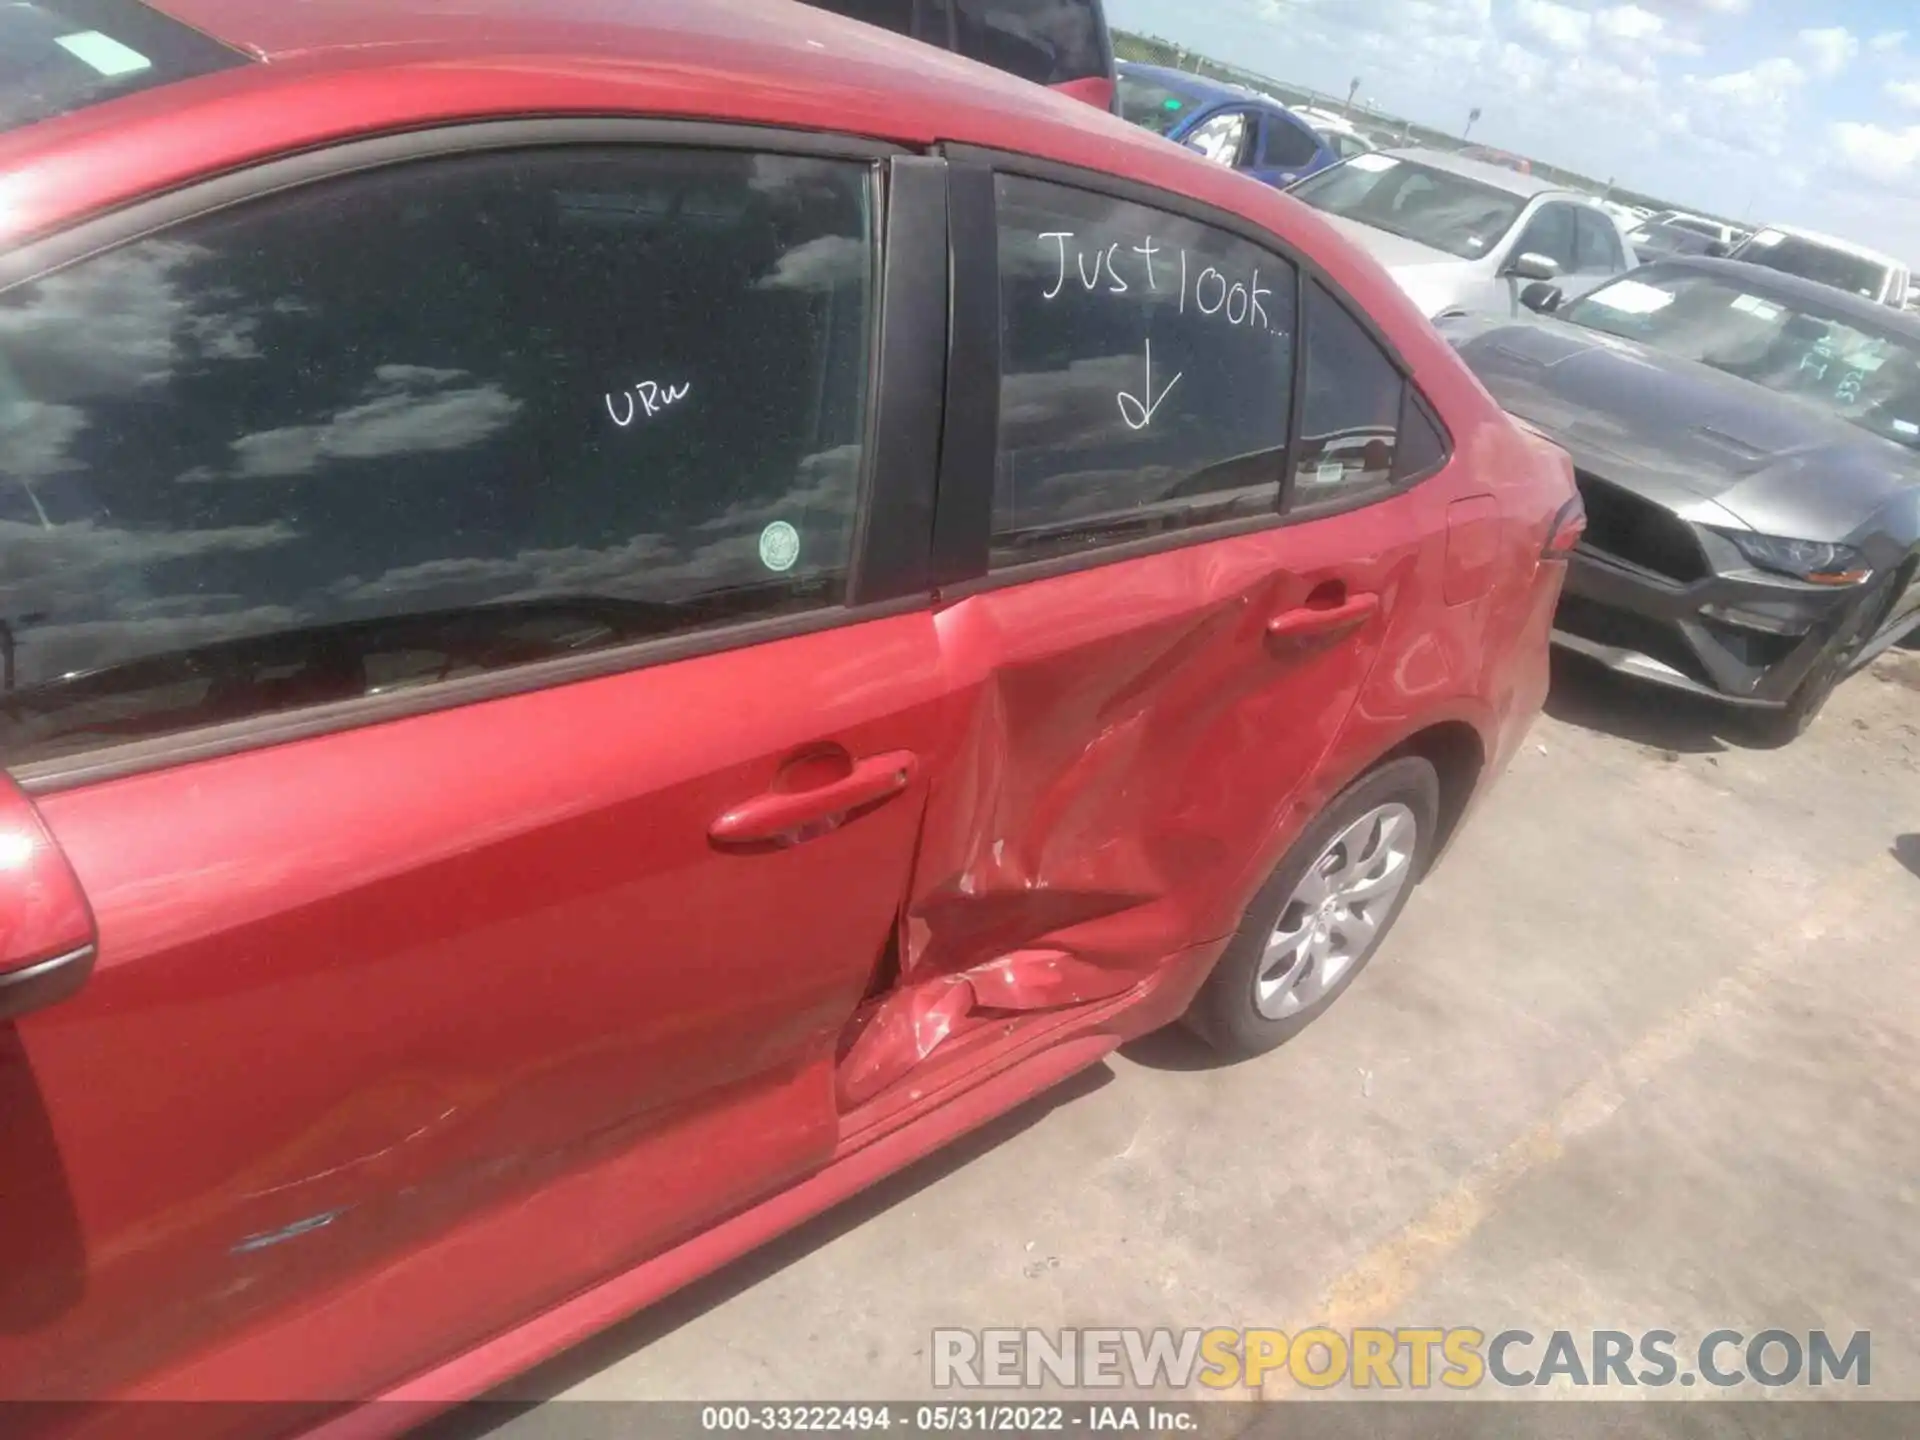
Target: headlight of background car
(1813,560)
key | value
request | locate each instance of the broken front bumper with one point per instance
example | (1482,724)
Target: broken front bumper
(1736,635)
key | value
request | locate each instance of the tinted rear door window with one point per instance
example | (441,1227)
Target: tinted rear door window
(1046,41)
(1146,365)
(426,422)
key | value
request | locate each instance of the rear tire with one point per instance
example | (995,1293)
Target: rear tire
(1323,912)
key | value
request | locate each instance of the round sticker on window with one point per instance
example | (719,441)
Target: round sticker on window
(779,546)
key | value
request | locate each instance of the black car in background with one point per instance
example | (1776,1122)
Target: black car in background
(1062,44)
(1747,444)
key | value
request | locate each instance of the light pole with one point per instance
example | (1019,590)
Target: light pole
(1352,90)
(1472,115)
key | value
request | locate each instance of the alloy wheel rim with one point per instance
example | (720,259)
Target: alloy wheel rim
(1335,913)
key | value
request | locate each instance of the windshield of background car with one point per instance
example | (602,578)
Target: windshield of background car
(1152,105)
(58,56)
(1449,212)
(1870,378)
(1813,261)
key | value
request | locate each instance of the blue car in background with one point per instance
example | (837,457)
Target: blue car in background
(1228,124)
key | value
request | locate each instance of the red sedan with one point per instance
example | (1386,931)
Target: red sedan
(620,617)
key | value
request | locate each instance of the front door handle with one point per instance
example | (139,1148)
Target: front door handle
(791,816)
(1320,624)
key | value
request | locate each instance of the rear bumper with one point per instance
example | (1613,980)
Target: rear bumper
(1744,637)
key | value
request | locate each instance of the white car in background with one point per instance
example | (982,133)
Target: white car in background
(1463,237)
(1346,139)
(1828,260)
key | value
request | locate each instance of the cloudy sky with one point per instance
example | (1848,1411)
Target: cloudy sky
(1801,111)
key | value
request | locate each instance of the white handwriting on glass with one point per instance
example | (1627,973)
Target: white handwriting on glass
(1238,302)
(1136,411)
(647,398)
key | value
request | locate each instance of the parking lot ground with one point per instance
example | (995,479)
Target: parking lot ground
(1640,1055)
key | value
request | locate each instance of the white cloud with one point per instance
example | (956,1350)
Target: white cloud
(1887,43)
(1629,23)
(1704,7)
(1640,34)
(826,262)
(1830,51)
(409,410)
(1904,92)
(1770,82)
(1874,152)
(1560,26)
(1744,112)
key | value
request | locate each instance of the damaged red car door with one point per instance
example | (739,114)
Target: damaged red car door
(492,808)
(1151,669)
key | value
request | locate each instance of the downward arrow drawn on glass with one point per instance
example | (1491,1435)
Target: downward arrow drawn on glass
(1144,408)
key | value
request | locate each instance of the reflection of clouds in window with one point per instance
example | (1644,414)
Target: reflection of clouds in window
(1065,409)
(826,263)
(465,580)
(83,645)
(70,557)
(819,504)
(376,425)
(403,416)
(68,571)
(781,174)
(112,324)
(1080,494)
(118,325)
(823,484)
(34,437)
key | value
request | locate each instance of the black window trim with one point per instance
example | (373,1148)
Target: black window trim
(888,570)
(964,502)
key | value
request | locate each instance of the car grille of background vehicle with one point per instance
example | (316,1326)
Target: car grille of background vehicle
(1638,531)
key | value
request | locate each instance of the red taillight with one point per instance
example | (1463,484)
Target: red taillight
(1565,532)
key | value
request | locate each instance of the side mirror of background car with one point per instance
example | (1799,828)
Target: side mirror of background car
(1531,266)
(1542,297)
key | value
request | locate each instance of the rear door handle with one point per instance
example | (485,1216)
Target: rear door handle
(1322,622)
(791,816)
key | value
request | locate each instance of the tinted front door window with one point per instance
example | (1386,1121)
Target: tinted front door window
(426,422)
